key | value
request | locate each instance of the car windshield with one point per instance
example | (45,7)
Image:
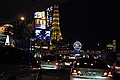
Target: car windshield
(90,63)
(59,57)
(48,57)
(51,58)
(69,60)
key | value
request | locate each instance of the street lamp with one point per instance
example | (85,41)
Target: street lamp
(98,44)
(22,18)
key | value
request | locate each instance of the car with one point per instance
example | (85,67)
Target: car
(69,62)
(52,61)
(85,55)
(116,66)
(17,64)
(89,68)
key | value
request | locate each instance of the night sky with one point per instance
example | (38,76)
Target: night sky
(14,9)
(90,22)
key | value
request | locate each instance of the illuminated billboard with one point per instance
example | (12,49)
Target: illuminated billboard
(6,40)
(40,23)
(47,35)
(40,15)
(42,34)
(38,34)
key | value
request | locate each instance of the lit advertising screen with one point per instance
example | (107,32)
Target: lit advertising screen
(40,15)
(40,23)
(42,34)
(47,35)
(38,34)
(3,39)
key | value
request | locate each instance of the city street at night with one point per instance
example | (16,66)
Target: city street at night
(59,40)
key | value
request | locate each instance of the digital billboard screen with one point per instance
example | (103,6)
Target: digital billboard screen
(40,15)
(40,23)
(47,35)
(42,34)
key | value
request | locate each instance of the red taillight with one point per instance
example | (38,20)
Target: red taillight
(33,74)
(70,62)
(117,68)
(30,66)
(57,64)
(109,74)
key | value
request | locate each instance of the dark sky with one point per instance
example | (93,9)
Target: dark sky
(90,22)
(13,9)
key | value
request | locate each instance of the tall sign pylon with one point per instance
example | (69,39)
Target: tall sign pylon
(56,35)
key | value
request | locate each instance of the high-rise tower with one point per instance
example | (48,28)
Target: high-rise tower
(56,35)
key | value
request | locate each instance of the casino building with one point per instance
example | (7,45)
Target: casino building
(48,36)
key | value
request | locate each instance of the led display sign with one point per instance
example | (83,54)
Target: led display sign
(42,34)
(40,23)
(40,15)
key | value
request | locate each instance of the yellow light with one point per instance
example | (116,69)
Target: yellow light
(105,73)
(74,71)
(79,72)
(78,63)
(22,18)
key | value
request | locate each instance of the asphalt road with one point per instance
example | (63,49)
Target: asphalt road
(56,75)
